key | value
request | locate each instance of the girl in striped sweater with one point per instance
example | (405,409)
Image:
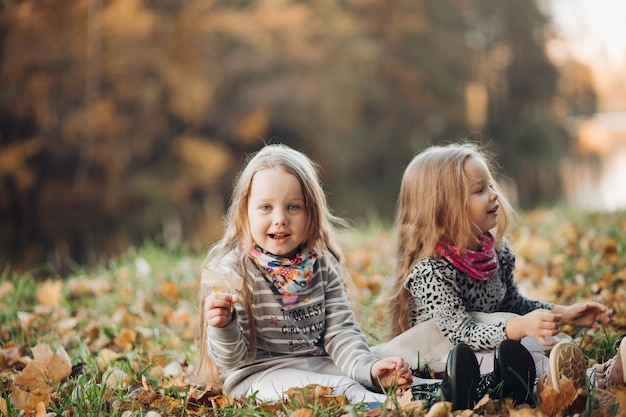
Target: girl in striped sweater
(275,311)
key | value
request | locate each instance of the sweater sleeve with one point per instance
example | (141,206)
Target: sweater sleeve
(513,300)
(227,346)
(343,339)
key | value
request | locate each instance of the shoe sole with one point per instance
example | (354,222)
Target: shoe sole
(515,367)
(622,353)
(567,360)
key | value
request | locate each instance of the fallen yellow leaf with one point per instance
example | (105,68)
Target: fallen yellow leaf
(170,290)
(49,293)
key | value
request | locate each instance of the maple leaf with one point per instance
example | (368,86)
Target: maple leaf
(33,386)
(553,402)
(221,279)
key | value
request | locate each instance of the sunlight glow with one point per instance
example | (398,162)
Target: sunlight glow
(594,29)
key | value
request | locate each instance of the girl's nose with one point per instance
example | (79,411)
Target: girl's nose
(494,196)
(279,217)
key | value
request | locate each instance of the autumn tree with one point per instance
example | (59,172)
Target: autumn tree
(126,119)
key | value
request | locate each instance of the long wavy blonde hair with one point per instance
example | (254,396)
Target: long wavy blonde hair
(320,234)
(433,205)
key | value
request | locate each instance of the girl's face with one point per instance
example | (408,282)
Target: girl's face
(483,200)
(277,215)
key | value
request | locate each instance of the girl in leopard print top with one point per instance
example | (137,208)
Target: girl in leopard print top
(453,260)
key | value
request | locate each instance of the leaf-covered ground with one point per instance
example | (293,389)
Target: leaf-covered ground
(120,340)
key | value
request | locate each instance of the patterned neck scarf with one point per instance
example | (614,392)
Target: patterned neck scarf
(289,276)
(481,264)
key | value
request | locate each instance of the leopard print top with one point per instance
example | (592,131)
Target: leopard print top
(441,292)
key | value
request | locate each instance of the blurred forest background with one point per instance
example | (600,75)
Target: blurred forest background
(122,120)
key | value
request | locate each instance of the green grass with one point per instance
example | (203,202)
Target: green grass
(142,306)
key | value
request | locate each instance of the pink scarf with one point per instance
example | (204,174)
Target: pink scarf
(481,264)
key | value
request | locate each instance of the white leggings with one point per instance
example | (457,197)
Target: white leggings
(299,372)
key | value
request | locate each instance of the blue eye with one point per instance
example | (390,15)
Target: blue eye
(265,208)
(293,207)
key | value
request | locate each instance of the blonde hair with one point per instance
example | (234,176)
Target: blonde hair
(237,236)
(433,206)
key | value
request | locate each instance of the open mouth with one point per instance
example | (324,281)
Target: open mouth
(278,236)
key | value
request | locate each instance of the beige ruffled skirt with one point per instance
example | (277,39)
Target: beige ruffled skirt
(424,347)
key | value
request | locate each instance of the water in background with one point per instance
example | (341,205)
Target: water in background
(596,179)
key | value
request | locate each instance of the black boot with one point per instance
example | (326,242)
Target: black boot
(515,368)
(461,378)
(428,393)
(487,384)
(513,375)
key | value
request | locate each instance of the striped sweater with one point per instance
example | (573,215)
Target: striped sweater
(320,322)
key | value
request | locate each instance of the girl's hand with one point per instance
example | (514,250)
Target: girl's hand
(218,309)
(586,315)
(389,372)
(538,324)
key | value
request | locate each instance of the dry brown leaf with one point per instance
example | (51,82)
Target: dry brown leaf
(6,288)
(221,279)
(116,378)
(83,286)
(50,293)
(4,408)
(92,330)
(67,324)
(32,379)
(440,409)
(146,384)
(26,319)
(404,397)
(31,402)
(147,397)
(126,339)
(168,404)
(302,412)
(106,357)
(553,402)
(486,405)
(309,394)
(271,408)
(177,318)
(170,290)
(56,365)
(412,408)
(222,401)
(525,412)
(11,355)
(620,393)
(333,400)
